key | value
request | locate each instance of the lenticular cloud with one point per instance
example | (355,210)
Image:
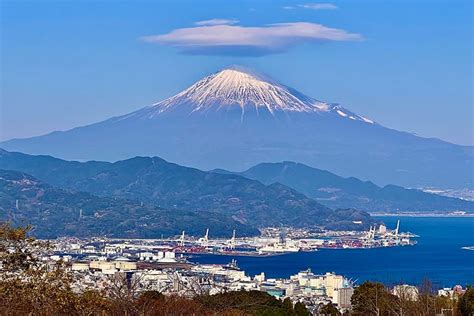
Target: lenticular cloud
(248,41)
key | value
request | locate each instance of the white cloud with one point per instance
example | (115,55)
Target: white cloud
(248,41)
(319,6)
(288,7)
(213,22)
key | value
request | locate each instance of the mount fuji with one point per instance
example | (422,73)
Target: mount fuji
(234,119)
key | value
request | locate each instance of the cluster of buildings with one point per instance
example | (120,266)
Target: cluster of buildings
(150,265)
(411,293)
(185,279)
(453,292)
(309,240)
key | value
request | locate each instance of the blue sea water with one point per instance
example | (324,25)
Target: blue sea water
(437,256)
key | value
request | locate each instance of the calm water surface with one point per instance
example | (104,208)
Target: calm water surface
(437,256)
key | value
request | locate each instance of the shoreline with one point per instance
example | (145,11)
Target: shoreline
(416,214)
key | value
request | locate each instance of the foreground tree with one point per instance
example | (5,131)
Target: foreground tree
(252,303)
(426,299)
(466,302)
(301,310)
(26,284)
(373,299)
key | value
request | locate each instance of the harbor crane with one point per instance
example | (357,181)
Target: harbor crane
(181,239)
(205,240)
(232,241)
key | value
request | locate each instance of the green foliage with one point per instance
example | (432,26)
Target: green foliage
(329,310)
(252,303)
(56,212)
(466,302)
(301,310)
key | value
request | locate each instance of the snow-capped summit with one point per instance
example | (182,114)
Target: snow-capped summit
(243,90)
(235,87)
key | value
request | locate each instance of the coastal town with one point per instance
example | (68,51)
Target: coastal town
(162,265)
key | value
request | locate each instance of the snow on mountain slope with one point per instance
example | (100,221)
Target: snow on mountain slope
(236,88)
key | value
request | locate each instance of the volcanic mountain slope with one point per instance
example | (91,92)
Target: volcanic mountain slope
(338,192)
(154,181)
(235,119)
(56,212)
(234,91)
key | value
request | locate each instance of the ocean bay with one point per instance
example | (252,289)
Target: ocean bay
(438,256)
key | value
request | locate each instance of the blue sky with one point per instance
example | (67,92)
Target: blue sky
(405,64)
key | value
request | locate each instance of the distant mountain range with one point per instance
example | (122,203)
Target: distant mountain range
(235,119)
(149,183)
(57,212)
(338,192)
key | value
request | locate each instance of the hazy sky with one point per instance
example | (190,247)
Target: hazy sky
(406,64)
